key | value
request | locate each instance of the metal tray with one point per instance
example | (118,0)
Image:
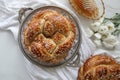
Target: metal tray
(73,57)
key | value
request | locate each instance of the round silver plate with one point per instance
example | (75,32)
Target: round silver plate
(72,53)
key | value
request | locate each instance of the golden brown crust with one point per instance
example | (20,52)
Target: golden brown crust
(49,36)
(58,38)
(87,8)
(98,60)
(100,67)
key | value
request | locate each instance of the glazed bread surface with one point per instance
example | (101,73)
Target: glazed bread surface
(100,67)
(49,36)
(87,8)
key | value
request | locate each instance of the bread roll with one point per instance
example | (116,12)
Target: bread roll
(87,8)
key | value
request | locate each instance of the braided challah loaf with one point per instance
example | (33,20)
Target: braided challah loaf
(49,36)
(100,67)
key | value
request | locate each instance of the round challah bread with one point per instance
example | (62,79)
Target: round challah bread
(49,36)
(100,67)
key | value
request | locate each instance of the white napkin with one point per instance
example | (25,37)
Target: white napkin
(9,21)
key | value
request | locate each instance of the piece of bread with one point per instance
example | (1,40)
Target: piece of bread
(87,8)
(100,67)
(49,36)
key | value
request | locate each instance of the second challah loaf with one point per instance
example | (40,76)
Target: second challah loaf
(100,67)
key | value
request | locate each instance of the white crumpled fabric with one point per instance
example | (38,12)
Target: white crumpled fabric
(9,21)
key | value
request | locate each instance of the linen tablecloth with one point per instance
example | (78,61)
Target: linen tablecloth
(9,22)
